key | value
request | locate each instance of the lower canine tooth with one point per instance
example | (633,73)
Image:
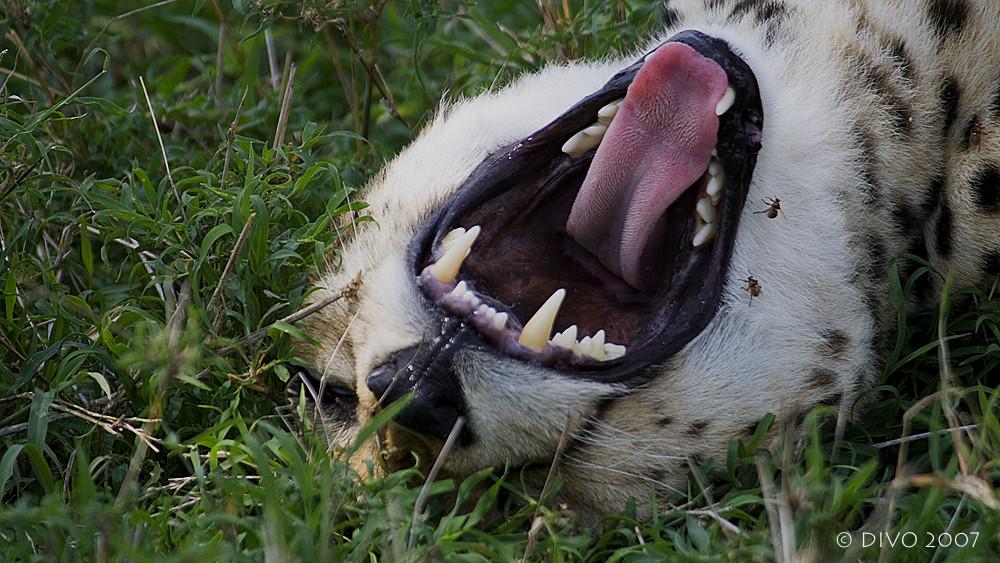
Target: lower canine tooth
(704,235)
(536,331)
(726,102)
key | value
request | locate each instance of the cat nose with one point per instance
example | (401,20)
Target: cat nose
(425,374)
(381,379)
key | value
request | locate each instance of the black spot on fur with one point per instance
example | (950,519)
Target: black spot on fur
(750,429)
(991,263)
(935,192)
(878,255)
(971,133)
(881,81)
(942,231)
(763,10)
(836,343)
(947,16)
(986,189)
(901,57)
(769,13)
(949,102)
(868,164)
(586,430)
(696,428)
(665,421)
(670,17)
(604,403)
(822,378)
(833,400)
(995,104)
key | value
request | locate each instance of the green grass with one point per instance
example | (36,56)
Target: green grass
(142,374)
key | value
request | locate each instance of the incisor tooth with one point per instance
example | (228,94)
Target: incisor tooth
(445,270)
(536,331)
(726,102)
(500,321)
(704,235)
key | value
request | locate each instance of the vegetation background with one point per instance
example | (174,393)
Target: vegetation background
(169,176)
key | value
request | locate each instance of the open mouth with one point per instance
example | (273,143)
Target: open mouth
(599,244)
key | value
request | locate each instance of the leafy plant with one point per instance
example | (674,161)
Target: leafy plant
(173,177)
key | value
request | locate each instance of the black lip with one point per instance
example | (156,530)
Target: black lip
(686,308)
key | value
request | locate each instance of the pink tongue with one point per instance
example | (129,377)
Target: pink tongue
(658,145)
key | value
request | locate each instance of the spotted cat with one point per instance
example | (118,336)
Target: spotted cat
(639,259)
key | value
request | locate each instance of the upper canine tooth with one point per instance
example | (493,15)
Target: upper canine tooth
(536,331)
(445,270)
(726,102)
